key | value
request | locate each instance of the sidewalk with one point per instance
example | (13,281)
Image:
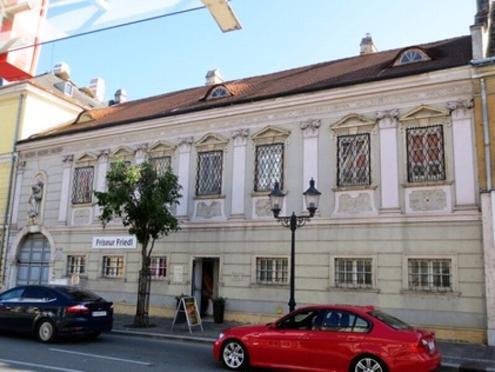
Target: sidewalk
(455,356)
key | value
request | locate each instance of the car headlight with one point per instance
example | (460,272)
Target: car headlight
(221,335)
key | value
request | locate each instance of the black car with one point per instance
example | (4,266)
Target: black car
(51,311)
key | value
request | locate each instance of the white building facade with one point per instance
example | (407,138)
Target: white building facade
(398,226)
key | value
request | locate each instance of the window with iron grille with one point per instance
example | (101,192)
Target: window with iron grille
(430,274)
(209,176)
(425,154)
(353,160)
(353,273)
(113,266)
(269,167)
(158,267)
(161,164)
(271,270)
(82,187)
(76,265)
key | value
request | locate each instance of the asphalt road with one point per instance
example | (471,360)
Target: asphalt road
(110,353)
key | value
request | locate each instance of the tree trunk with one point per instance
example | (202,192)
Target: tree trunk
(141,318)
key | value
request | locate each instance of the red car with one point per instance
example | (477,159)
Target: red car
(330,338)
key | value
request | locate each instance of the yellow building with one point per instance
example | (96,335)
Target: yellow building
(28,107)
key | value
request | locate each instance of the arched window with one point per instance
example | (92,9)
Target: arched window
(411,56)
(219,92)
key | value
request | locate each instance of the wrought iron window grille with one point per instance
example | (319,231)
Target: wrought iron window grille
(209,173)
(82,188)
(269,167)
(161,164)
(425,154)
(353,166)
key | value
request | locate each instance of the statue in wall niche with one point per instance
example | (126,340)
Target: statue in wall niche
(35,199)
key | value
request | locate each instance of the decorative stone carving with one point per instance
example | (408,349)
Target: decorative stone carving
(388,118)
(21,166)
(35,200)
(428,200)
(310,128)
(211,210)
(103,155)
(355,205)
(67,160)
(142,147)
(240,137)
(81,216)
(185,144)
(459,109)
(263,208)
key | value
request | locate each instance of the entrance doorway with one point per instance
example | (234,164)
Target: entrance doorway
(33,261)
(205,283)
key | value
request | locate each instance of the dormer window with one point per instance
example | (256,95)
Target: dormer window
(219,92)
(413,55)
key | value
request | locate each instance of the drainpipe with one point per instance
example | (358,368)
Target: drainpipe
(7,216)
(486,137)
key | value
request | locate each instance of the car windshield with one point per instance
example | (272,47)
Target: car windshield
(78,294)
(390,320)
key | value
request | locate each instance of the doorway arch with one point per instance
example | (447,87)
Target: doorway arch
(33,260)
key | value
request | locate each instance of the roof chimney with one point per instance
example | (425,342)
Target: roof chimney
(213,77)
(97,87)
(367,45)
(120,96)
(62,70)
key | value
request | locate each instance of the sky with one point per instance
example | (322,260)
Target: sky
(175,52)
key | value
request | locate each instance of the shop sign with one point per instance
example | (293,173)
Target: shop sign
(114,242)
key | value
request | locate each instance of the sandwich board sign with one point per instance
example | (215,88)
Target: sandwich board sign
(188,312)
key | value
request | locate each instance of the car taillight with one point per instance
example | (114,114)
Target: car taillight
(424,345)
(77,309)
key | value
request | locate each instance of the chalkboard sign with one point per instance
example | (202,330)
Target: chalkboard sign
(188,312)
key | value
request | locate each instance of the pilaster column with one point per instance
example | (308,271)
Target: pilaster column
(464,175)
(240,137)
(310,131)
(21,165)
(101,170)
(140,153)
(185,146)
(64,192)
(389,163)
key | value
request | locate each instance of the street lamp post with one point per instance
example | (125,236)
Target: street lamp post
(312,198)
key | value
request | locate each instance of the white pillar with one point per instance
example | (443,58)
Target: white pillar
(464,175)
(185,147)
(239,171)
(65,192)
(488,220)
(140,153)
(310,131)
(389,163)
(101,170)
(17,192)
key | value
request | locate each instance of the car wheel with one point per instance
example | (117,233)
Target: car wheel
(368,363)
(46,330)
(234,355)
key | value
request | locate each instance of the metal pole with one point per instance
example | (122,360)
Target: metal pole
(293,227)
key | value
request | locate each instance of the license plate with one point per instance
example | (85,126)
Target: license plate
(99,313)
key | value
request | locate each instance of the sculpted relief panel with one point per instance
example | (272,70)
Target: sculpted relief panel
(349,204)
(428,200)
(207,210)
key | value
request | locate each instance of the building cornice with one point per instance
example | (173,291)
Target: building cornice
(419,82)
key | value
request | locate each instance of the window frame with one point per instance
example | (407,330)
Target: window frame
(116,276)
(281,167)
(354,273)
(271,283)
(84,264)
(340,161)
(430,275)
(158,277)
(199,173)
(88,199)
(426,164)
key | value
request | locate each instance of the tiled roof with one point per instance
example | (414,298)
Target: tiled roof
(349,71)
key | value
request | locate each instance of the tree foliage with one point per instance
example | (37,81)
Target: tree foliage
(144,200)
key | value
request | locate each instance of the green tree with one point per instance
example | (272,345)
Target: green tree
(144,200)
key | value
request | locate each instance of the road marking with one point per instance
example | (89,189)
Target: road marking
(101,357)
(39,365)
